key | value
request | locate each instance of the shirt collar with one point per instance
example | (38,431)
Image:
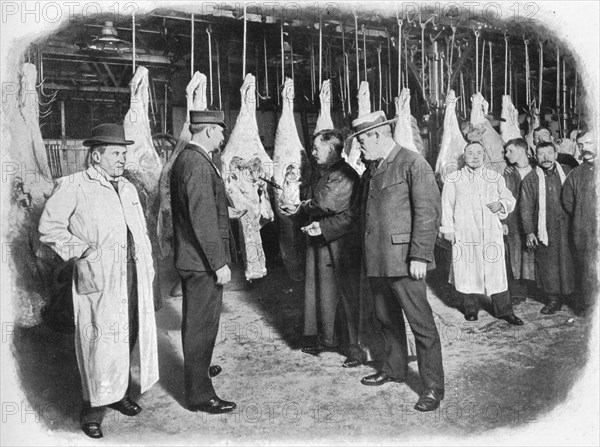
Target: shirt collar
(200,146)
(104,174)
(386,154)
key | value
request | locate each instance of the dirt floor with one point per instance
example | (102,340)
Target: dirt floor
(497,376)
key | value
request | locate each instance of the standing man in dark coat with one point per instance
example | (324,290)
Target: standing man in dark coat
(520,259)
(400,217)
(579,198)
(201,242)
(546,225)
(333,252)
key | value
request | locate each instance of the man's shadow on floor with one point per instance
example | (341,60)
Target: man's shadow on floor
(437,279)
(49,376)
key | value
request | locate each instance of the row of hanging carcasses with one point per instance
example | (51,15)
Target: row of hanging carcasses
(250,175)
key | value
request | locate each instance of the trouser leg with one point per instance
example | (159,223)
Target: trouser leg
(412,296)
(390,317)
(502,304)
(202,300)
(91,414)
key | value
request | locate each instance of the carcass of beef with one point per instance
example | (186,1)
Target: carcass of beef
(245,166)
(291,173)
(35,154)
(509,126)
(196,100)
(144,165)
(324,120)
(481,131)
(451,157)
(27,182)
(352,152)
(406,133)
(143,162)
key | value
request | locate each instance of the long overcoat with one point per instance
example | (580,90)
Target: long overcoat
(579,199)
(521,258)
(554,270)
(331,199)
(85,211)
(478,263)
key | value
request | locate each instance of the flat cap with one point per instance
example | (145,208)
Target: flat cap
(207,117)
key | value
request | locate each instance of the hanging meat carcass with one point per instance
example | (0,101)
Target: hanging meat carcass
(196,100)
(352,152)
(245,166)
(481,130)
(29,109)
(509,126)
(28,181)
(406,133)
(451,156)
(144,165)
(324,120)
(291,173)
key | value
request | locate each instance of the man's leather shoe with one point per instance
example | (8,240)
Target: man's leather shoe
(317,349)
(351,363)
(429,400)
(92,429)
(551,308)
(214,370)
(512,319)
(471,317)
(378,379)
(126,407)
(214,406)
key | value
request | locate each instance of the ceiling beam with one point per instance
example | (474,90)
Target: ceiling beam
(110,74)
(99,89)
(58,53)
(101,75)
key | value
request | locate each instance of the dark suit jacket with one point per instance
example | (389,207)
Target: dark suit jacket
(199,209)
(400,213)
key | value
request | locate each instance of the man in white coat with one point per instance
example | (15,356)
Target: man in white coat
(474,199)
(95,217)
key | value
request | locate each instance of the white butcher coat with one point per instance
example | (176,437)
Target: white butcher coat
(478,264)
(84,210)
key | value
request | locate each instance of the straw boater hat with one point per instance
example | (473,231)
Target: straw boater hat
(369,122)
(207,117)
(107,134)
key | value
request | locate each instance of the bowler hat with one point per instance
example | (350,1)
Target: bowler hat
(107,134)
(207,117)
(369,122)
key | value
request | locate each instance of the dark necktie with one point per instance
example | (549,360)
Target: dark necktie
(115,185)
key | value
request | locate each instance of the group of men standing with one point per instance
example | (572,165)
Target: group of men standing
(543,207)
(380,229)
(552,234)
(384,225)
